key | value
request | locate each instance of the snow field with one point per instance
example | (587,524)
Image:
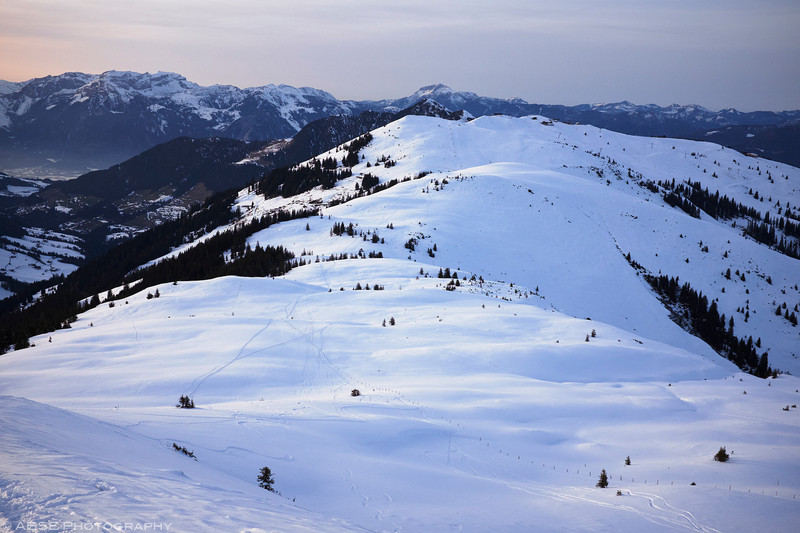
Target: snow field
(455,420)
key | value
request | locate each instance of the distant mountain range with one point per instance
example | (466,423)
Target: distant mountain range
(75,122)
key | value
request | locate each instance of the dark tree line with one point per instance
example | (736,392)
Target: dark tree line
(787,226)
(358,143)
(765,233)
(716,206)
(676,200)
(693,311)
(351,159)
(286,181)
(206,260)
(368,181)
(289,181)
(339,228)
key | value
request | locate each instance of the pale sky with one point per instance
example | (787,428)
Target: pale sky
(716,53)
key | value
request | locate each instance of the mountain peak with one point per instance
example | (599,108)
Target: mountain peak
(437,88)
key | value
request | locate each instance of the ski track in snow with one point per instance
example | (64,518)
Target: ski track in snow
(660,504)
(664,514)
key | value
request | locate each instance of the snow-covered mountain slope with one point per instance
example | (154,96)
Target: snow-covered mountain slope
(487,406)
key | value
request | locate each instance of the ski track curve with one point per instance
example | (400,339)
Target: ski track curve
(238,356)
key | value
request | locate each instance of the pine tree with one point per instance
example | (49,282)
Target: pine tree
(265,479)
(603,482)
(763,370)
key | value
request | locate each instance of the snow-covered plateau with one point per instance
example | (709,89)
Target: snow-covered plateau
(421,405)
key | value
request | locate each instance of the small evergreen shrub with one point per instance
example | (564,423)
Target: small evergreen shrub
(722,455)
(184,402)
(184,451)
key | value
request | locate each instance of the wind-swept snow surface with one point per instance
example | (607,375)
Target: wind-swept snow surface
(492,406)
